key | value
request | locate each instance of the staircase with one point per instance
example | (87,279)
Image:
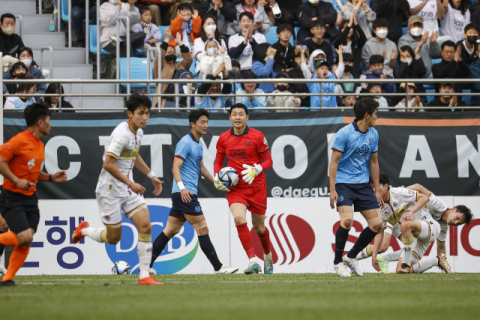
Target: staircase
(68,63)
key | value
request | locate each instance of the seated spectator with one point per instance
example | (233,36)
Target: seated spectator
(416,37)
(243,44)
(301,58)
(322,71)
(393,12)
(153,34)
(376,71)
(212,58)
(261,22)
(341,88)
(414,102)
(109,12)
(10,42)
(19,71)
(79,15)
(26,57)
(288,10)
(208,30)
(166,9)
(285,56)
(410,66)
(235,73)
(348,100)
(375,89)
(469,44)
(456,17)
(215,88)
(380,45)
(22,102)
(169,64)
(53,88)
(447,100)
(452,66)
(263,66)
(317,43)
(362,13)
(282,97)
(315,10)
(251,88)
(187,23)
(429,12)
(352,39)
(475,74)
(225,14)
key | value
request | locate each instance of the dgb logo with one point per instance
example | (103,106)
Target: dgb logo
(178,253)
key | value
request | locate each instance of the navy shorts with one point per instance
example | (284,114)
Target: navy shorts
(180,208)
(360,195)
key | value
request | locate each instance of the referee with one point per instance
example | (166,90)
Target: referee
(21,160)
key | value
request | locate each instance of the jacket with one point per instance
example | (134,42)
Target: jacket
(427,51)
(155,32)
(324,11)
(176,26)
(401,72)
(265,71)
(466,56)
(218,102)
(108,19)
(363,17)
(356,47)
(373,46)
(209,64)
(285,56)
(451,69)
(258,102)
(35,74)
(387,87)
(327,87)
(393,11)
(10,45)
(283,99)
(260,16)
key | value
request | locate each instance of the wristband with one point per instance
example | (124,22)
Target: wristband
(151,175)
(180,185)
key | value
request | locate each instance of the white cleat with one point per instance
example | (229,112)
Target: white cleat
(342,270)
(152,272)
(362,254)
(352,264)
(226,270)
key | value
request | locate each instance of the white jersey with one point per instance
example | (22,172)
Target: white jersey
(454,23)
(428,14)
(437,207)
(124,146)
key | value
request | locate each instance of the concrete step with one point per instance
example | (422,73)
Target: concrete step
(61,56)
(33,24)
(42,39)
(22,7)
(72,71)
(93,102)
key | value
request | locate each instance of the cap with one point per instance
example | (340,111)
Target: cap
(447,84)
(249,75)
(319,63)
(410,84)
(415,19)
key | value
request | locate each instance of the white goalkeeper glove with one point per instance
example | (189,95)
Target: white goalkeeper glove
(219,185)
(251,172)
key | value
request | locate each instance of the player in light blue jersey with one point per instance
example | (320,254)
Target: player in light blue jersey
(355,153)
(187,168)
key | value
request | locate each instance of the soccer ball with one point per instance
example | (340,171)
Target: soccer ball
(228,176)
(121,267)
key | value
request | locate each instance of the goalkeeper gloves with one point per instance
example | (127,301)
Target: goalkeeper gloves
(251,172)
(218,185)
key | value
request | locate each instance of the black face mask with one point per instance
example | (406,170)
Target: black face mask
(234,74)
(348,68)
(20,76)
(472,39)
(282,87)
(171,57)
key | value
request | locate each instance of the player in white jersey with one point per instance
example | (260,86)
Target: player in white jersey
(116,191)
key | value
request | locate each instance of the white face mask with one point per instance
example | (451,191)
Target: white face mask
(314,1)
(8,30)
(210,29)
(409,61)
(113,1)
(26,62)
(381,33)
(416,32)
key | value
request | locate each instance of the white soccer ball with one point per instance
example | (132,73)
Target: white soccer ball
(228,176)
(121,267)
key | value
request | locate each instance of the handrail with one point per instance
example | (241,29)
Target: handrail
(50,75)
(1,101)
(149,61)
(19,17)
(40,9)
(70,23)
(87,30)
(98,40)
(128,45)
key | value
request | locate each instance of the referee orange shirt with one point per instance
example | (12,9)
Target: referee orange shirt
(24,154)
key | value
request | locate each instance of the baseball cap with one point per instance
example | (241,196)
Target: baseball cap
(415,19)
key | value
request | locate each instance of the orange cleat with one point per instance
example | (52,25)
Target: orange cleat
(77,234)
(149,282)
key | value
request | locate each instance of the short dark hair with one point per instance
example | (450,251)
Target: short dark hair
(466,212)
(317,23)
(470,26)
(144,9)
(28,49)
(380,23)
(366,105)
(282,76)
(35,112)
(376,58)
(136,101)
(284,27)
(26,86)
(196,114)
(383,179)
(448,43)
(183,6)
(236,63)
(238,106)
(348,57)
(245,13)
(7,15)
(17,65)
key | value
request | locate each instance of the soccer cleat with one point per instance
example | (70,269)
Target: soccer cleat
(77,234)
(152,272)
(149,282)
(268,263)
(8,283)
(443,263)
(383,263)
(341,270)
(405,268)
(2,271)
(352,264)
(253,267)
(226,270)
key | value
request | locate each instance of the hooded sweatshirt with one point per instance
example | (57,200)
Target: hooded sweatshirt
(373,46)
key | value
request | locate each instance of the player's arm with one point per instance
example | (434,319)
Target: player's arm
(422,200)
(111,167)
(204,172)
(143,168)
(184,193)
(376,247)
(336,155)
(251,172)
(441,248)
(419,188)
(218,165)
(7,173)
(59,176)
(375,171)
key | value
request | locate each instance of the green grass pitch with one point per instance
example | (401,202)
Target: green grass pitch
(280,296)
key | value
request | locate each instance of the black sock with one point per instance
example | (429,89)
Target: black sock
(1,247)
(209,251)
(158,246)
(364,239)
(340,240)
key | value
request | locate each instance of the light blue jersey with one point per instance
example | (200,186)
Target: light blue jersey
(191,151)
(356,148)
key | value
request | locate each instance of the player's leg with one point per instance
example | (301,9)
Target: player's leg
(341,236)
(411,229)
(368,250)
(3,229)
(258,221)
(174,225)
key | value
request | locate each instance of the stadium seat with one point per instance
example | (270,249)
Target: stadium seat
(271,35)
(295,30)
(467,97)
(93,40)
(405,30)
(435,61)
(64,4)
(138,71)
(430,98)
(162,30)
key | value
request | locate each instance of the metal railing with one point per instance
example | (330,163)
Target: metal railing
(20,19)
(50,75)
(127,44)
(155,51)
(87,24)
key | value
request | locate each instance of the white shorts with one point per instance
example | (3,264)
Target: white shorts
(430,231)
(111,208)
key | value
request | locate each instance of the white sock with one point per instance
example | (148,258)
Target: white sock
(94,233)
(144,250)
(394,256)
(407,256)
(363,254)
(252,261)
(425,264)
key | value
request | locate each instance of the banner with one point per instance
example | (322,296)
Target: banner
(438,150)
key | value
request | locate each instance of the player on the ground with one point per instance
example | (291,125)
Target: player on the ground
(116,191)
(187,168)
(247,152)
(21,160)
(355,154)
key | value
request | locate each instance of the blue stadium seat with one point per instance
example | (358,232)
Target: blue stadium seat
(138,71)
(467,97)
(295,30)
(405,30)
(271,35)
(64,9)
(162,30)
(435,61)
(430,98)
(93,40)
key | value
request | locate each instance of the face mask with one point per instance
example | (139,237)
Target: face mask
(8,30)
(416,32)
(26,62)
(314,1)
(378,72)
(409,61)
(381,33)
(282,88)
(210,29)
(113,1)
(472,39)
(211,51)
(234,73)
(348,69)
(20,76)
(171,57)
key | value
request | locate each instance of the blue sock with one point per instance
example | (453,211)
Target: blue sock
(209,251)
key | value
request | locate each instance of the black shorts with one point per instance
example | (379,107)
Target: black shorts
(360,195)
(19,211)
(180,208)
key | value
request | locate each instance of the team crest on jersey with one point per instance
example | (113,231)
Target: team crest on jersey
(247,143)
(31,164)
(395,204)
(265,141)
(371,140)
